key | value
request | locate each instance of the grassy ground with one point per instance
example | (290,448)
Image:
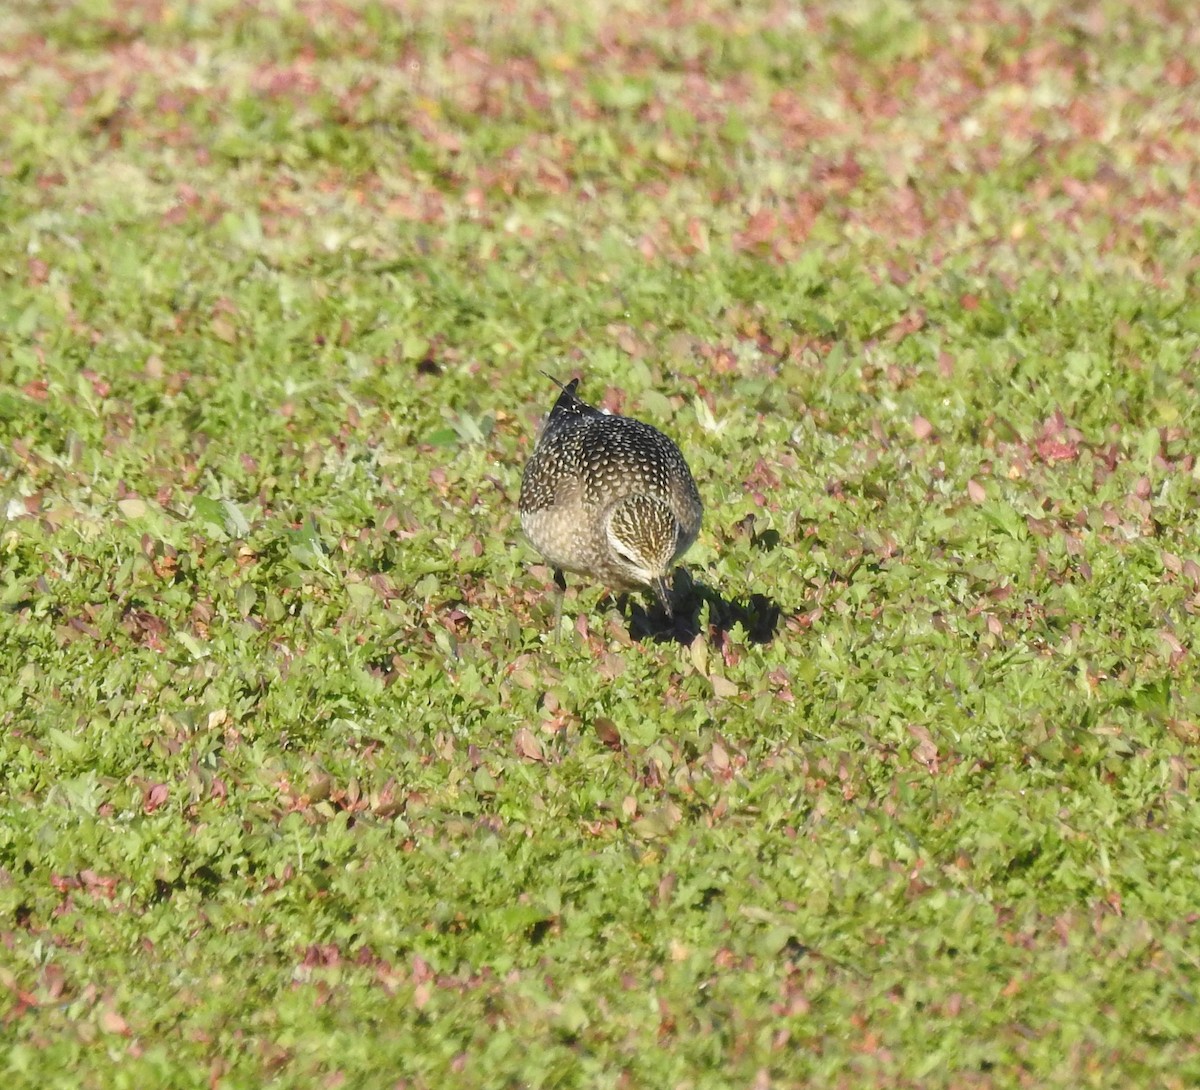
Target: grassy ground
(296,789)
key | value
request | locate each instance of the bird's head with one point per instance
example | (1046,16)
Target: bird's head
(643,536)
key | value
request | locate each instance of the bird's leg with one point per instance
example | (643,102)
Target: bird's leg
(560,581)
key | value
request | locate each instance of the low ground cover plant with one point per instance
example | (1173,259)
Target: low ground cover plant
(297,789)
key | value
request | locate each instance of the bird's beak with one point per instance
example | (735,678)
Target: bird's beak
(663,593)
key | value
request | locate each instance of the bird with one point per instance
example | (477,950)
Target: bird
(607,497)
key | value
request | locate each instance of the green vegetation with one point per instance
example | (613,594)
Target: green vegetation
(297,788)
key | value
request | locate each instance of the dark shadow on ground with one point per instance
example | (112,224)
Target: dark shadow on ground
(758,614)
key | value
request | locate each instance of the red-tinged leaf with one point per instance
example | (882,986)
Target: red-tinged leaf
(111,1022)
(528,745)
(321,955)
(1055,450)
(760,227)
(98,885)
(55,980)
(421,971)
(912,322)
(1054,425)
(925,750)
(975,491)
(100,386)
(629,344)
(610,666)
(607,732)
(154,797)
(1172,641)
(921,427)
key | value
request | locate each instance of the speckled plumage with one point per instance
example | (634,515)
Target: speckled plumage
(608,497)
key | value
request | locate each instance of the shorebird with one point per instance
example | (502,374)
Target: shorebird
(609,498)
